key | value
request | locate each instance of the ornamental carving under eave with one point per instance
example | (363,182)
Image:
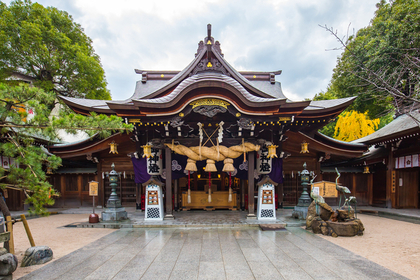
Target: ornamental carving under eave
(209,111)
(214,65)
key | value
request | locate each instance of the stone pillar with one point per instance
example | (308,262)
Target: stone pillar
(251,167)
(168,193)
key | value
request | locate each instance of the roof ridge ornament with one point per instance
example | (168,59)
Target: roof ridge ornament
(209,43)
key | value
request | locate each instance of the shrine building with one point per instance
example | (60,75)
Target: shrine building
(209,133)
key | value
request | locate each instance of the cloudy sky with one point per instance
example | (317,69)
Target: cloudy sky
(254,35)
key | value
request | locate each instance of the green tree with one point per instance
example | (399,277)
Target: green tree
(381,63)
(46,46)
(24,120)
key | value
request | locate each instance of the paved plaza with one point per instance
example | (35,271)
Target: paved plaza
(212,253)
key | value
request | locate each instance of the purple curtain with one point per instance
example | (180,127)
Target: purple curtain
(140,170)
(277,170)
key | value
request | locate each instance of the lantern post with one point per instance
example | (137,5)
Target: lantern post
(114,211)
(301,209)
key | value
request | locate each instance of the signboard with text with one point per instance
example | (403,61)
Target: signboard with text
(325,189)
(93,188)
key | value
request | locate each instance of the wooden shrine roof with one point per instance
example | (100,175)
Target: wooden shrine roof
(404,126)
(208,75)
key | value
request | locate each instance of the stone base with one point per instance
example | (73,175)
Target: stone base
(251,217)
(169,217)
(114,214)
(300,212)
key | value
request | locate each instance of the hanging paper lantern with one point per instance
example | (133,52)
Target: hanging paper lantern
(263,160)
(154,162)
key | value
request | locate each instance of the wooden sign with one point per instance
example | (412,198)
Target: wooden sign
(393,181)
(153,198)
(93,188)
(326,189)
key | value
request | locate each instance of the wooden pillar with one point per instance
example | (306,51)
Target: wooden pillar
(370,188)
(63,189)
(354,186)
(222,182)
(79,188)
(168,193)
(251,166)
(138,196)
(390,196)
(176,186)
(195,181)
(242,194)
(279,191)
(101,186)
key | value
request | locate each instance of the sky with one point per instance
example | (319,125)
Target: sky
(254,35)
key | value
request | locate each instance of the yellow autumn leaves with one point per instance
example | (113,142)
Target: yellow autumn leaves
(353,125)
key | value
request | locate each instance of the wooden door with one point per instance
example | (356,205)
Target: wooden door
(408,188)
(291,189)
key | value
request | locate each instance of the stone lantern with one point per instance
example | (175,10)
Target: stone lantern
(301,209)
(113,211)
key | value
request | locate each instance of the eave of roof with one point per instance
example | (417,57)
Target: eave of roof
(337,143)
(328,105)
(407,124)
(207,79)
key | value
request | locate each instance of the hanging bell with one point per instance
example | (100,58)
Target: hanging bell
(191,166)
(210,167)
(228,165)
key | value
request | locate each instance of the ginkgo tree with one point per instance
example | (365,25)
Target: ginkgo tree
(352,125)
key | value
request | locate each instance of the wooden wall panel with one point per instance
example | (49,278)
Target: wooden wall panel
(407,194)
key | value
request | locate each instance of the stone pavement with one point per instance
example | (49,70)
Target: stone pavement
(219,218)
(212,253)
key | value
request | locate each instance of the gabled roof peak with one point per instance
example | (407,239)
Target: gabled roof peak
(208,43)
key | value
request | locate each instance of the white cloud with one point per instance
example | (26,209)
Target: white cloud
(254,35)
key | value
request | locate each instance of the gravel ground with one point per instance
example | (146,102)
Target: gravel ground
(390,243)
(50,231)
